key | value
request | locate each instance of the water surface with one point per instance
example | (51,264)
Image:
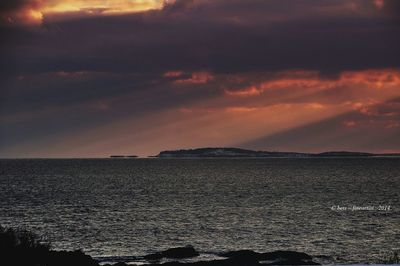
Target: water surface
(122,207)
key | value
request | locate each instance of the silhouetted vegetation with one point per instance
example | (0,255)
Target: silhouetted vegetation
(21,240)
(21,247)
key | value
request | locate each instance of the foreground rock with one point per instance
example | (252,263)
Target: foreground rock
(49,258)
(232,258)
(68,258)
(276,257)
(23,248)
(174,253)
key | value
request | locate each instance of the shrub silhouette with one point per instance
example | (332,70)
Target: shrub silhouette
(21,239)
(21,247)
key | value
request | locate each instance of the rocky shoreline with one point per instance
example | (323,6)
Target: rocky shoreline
(173,256)
(20,247)
(169,257)
(23,248)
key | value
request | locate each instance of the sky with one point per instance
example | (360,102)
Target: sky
(94,78)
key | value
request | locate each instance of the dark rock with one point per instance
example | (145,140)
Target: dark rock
(68,258)
(154,256)
(174,263)
(174,253)
(293,262)
(287,258)
(120,264)
(180,253)
(225,262)
(241,261)
(249,257)
(116,264)
(240,253)
(242,256)
(285,255)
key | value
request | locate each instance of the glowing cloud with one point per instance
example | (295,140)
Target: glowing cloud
(107,7)
(379,3)
(372,79)
(32,12)
(250,91)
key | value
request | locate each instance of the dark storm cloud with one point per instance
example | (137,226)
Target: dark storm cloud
(392,7)
(222,36)
(7,6)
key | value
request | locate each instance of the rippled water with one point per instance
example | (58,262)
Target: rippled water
(122,207)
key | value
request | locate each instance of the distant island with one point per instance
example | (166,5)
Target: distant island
(237,152)
(123,156)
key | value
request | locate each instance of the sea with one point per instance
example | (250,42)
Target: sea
(339,210)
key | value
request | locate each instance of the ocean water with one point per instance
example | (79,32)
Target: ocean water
(125,207)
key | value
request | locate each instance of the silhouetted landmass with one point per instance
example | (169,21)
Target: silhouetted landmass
(23,248)
(237,152)
(123,156)
(344,154)
(227,152)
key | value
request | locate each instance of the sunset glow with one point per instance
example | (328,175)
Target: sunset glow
(33,12)
(106,7)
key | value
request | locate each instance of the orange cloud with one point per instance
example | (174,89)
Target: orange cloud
(241,109)
(379,3)
(249,91)
(287,79)
(316,106)
(349,123)
(201,77)
(173,74)
(374,79)
(364,107)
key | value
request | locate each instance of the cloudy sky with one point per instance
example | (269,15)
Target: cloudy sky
(94,78)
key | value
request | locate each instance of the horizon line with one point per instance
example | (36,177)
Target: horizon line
(133,156)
